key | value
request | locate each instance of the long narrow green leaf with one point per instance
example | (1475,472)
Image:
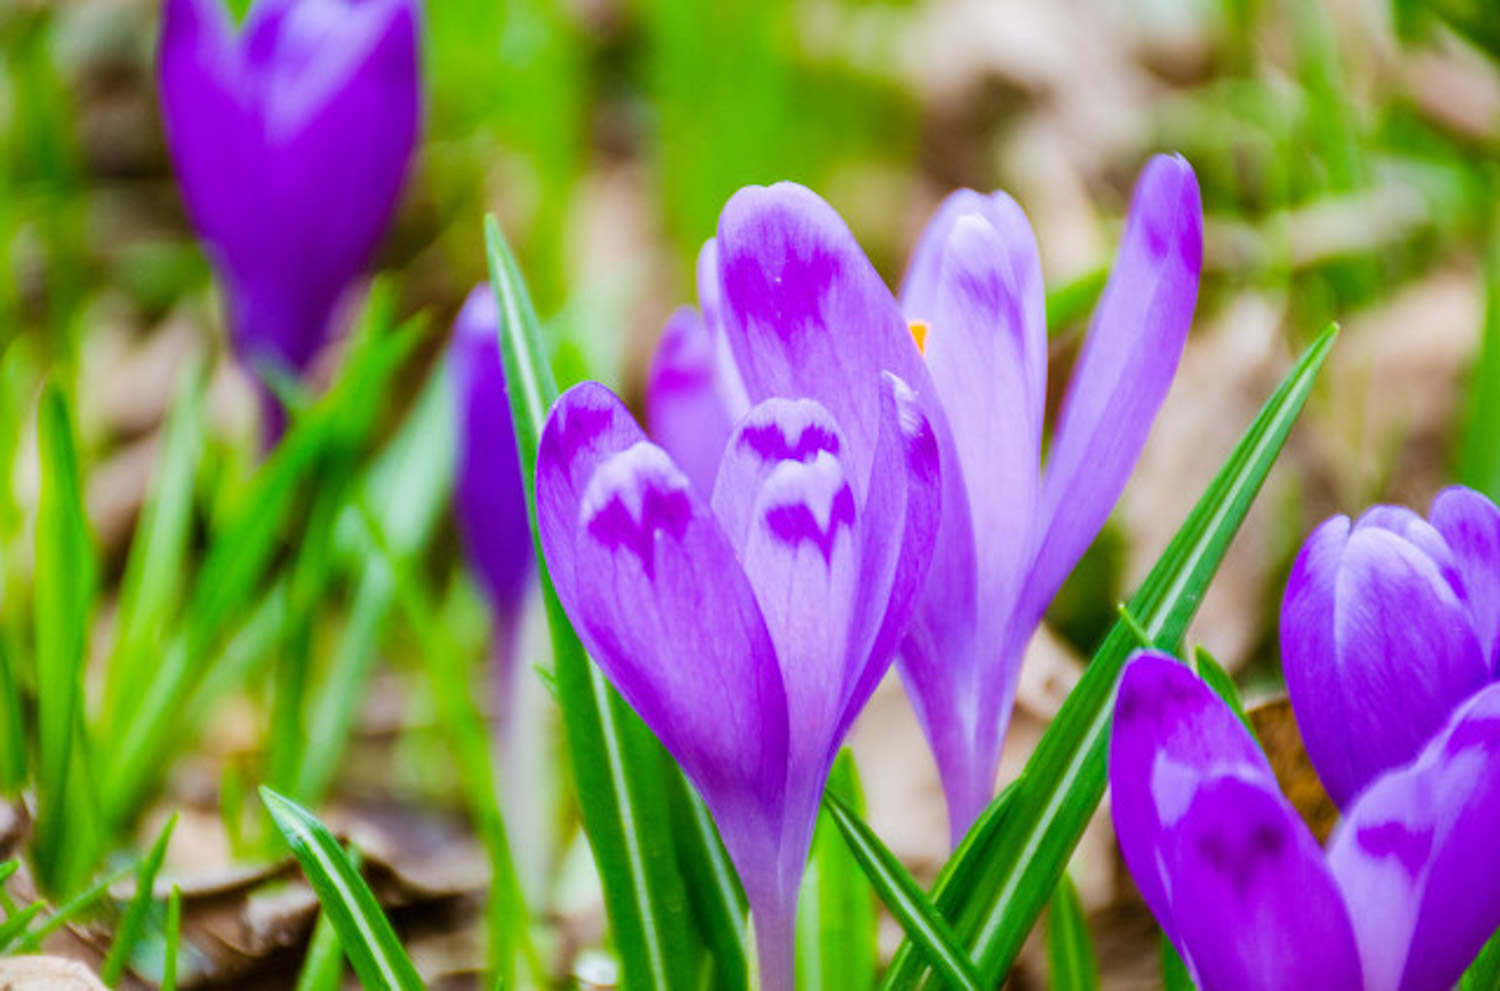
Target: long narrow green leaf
(14,926)
(76,906)
(364,931)
(1064,779)
(1174,973)
(927,930)
(713,890)
(323,967)
(64,591)
(835,909)
(1484,973)
(135,913)
(618,767)
(1479,465)
(172,941)
(154,572)
(1071,962)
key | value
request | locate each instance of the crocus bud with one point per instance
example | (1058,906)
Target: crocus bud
(488,495)
(291,139)
(1387,626)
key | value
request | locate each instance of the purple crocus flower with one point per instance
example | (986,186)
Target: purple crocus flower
(974,293)
(748,629)
(291,140)
(1388,624)
(488,496)
(1404,896)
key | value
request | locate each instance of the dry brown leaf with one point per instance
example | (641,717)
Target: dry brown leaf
(1282,742)
(44,973)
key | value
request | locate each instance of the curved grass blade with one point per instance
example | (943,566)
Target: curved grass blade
(618,767)
(907,902)
(135,913)
(1064,779)
(1072,964)
(16,924)
(365,933)
(835,911)
(1484,973)
(713,889)
(1174,973)
(64,591)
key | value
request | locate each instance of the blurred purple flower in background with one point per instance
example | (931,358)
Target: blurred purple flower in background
(488,496)
(1405,895)
(1388,624)
(747,630)
(974,293)
(291,140)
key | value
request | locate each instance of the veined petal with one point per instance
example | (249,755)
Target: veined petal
(685,409)
(1377,649)
(1171,734)
(1255,905)
(1470,524)
(1015,256)
(772,433)
(1417,859)
(660,601)
(1123,371)
(898,529)
(488,494)
(806,314)
(985,328)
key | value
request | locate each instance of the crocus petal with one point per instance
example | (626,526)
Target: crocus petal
(805,312)
(213,143)
(1019,265)
(654,590)
(905,499)
(1254,904)
(488,493)
(1171,733)
(1417,859)
(773,432)
(1123,372)
(686,412)
(1377,648)
(1470,524)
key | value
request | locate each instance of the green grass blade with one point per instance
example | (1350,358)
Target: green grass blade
(76,906)
(1071,301)
(135,913)
(64,588)
(1071,961)
(924,926)
(173,940)
(835,911)
(14,926)
(618,767)
(1174,973)
(714,895)
(1064,779)
(1222,682)
(1479,463)
(323,968)
(364,932)
(153,573)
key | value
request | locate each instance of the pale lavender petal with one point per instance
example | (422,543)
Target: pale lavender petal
(1123,372)
(1470,524)
(1253,903)
(685,409)
(662,605)
(1016,256)
(807,315)
(1417,859)
(771,433)
(488,495)
(1377,650)
(905,499)
(1171,733)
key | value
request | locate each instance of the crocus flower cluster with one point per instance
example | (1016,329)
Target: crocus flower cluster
(973,302)
(291,140)
(1404,896)
(748,624)
(489,500)
(1389,623)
